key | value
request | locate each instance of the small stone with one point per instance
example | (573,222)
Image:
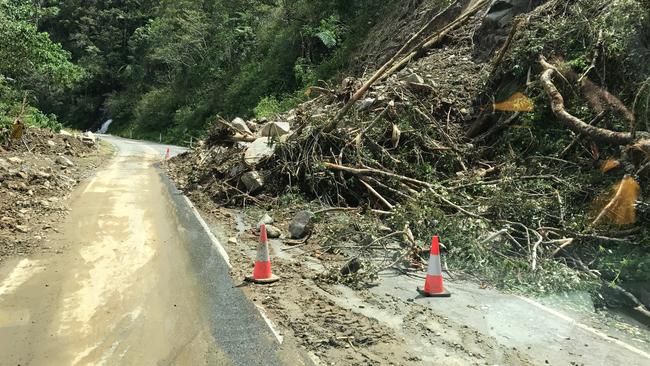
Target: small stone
(22,228)
(14,160)
(300,226)
(232,240)
(266,220)
(43,175)
(414,79)
(63,161)
(4,164)
(273,232)
(51,143)
(253,181)
(366,103)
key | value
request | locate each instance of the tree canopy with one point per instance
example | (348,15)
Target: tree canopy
(161,66)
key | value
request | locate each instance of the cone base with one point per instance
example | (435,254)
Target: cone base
(444,293)
(263,281)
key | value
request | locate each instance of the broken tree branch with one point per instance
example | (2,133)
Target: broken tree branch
(370,171)
(574,123)
(381,199)
(391,66)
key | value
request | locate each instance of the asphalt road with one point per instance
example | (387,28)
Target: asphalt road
(136,280)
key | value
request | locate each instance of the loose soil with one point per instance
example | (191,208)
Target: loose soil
(34,187)
(335,330)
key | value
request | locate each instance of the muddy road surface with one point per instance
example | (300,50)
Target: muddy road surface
(134,281)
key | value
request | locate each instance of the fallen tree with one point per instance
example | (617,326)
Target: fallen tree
(575,124)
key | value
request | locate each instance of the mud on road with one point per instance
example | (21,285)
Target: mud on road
(340,326)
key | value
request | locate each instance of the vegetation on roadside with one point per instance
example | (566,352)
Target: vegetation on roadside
(33,69)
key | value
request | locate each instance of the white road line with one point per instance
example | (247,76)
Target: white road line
(587,328)
(270,324)
(213,239)
(225,256)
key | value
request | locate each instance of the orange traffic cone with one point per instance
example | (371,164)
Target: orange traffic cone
(262,271)
(433,286)
(167,154)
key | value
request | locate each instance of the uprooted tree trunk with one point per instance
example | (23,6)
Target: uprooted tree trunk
(575,124)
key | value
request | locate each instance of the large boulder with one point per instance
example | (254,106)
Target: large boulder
(301,224)
(275,129)
(253,181)
(241,126)
(259,149)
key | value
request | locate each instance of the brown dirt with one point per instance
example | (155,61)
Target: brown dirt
(314,314)
(34,187)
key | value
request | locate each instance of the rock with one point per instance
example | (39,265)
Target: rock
(366,103)
(22,228)
(258,150)
(300,226)
(17,186)
(51,143)
(353,266)
(65,133)
(236,170)
(43,175)
(414,79)
(88,138)
(266,220)
(275,129)
(273,232)
(241,126)
(232,240)
(63,161)
(253,181)
(14,160)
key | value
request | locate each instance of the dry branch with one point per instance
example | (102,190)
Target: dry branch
(574,123)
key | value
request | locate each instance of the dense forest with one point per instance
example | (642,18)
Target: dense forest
(169,66)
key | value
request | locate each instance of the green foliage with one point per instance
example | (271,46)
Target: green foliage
(32,67)
(268,107)
(167,66)
(330,31)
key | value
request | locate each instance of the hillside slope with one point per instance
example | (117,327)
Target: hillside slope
(465,141)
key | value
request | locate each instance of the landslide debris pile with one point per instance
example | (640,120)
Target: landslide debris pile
(36,171)
(491,128)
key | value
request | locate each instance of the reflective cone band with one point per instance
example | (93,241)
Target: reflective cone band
(262,271)
(433,285)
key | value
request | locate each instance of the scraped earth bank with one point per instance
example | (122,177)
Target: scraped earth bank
(36,176)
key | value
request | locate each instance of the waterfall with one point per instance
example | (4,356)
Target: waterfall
(104,127)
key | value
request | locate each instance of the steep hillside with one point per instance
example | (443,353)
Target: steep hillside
(526,150)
